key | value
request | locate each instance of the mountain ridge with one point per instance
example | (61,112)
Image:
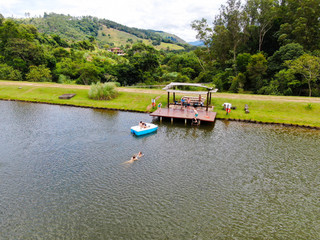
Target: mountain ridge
(106,32)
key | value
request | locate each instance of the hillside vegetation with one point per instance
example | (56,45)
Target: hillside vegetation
(113,37)
(105,31)
(267,47)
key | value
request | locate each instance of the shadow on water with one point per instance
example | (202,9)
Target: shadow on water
(144,136)
(106,112)
(180,123)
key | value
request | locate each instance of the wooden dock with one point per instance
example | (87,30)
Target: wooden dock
(206,116)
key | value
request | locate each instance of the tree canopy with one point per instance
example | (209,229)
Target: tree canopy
(252,46)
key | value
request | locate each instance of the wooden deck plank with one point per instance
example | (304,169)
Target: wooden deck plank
(206,116)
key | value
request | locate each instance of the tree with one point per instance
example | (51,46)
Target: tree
(287,81)
(226,34)
(1,19)
(60,53)
(21,54)
(242,62)
(127,74)
(232,17)
(39,74)
(256,69)
(261,15)
(301,23)
(144,58)
(290,51)
(186,63)
(308,66)
(68,67)
(89,73)
(204,31)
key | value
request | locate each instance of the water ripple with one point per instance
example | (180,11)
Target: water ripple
(63,175)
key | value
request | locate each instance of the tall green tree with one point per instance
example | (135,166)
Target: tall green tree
(301,23)
(309,67)
(290,51)
(1,19)
(227,32)
(21,54)
(89,74)
(261,14)
(233,18)
(256,70)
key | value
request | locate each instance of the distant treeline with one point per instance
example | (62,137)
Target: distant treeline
(262,46)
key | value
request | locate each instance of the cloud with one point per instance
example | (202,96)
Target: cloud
(166,15)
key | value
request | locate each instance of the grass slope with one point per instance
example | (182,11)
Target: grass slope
(120,38)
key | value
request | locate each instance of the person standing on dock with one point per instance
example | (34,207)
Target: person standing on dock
(182,102)
(188,103)
(159,106)
(196,114)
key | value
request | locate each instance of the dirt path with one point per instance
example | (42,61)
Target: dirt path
(162,92)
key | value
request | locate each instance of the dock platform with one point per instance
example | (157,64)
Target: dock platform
(206,116)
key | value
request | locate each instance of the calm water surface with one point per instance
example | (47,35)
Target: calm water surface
(63,176)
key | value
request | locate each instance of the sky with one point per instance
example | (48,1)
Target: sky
(172,16)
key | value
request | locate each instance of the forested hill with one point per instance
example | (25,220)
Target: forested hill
(103,30)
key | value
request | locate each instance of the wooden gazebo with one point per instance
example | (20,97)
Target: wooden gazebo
(183,112)
(172,88)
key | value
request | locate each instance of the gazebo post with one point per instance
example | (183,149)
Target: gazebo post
(207,101)
(174,97)
(168,99)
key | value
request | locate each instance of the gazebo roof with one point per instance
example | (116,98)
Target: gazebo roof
(169,89)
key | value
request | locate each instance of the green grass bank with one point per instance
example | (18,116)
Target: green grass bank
(269,109)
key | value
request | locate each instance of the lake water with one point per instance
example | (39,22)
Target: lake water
(63,176)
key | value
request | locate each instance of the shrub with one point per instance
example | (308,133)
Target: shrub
(39,74)
(309,106)
(99,91)
(65,79)
(9,73)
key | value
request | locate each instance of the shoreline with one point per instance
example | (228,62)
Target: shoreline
(137,111)
(276,110)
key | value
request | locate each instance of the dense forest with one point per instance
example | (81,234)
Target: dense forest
(261,46)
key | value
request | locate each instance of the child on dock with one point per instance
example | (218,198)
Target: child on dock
(159,106)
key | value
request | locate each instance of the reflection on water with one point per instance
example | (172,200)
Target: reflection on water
(62,176)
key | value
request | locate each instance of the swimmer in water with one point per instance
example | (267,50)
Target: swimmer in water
(135,157)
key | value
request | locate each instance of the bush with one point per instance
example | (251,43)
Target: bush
(39,74)
(99,91)
(9,73)
(65,79)
(309,106)
(174,77)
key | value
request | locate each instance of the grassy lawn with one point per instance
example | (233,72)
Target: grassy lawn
(271,111)
(125,100)
(280,110)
